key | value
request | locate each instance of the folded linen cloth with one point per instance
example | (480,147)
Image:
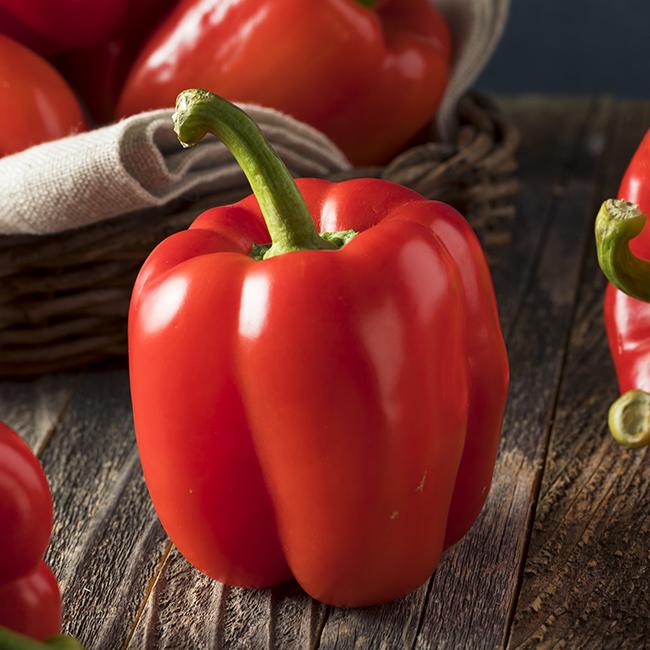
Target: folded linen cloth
(476,27)
(138,163)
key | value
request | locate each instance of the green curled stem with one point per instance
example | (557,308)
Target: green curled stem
(290,225)
(616,224)
(629,419)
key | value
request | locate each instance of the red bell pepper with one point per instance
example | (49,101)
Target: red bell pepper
(51,26)
(98,73)
(370,77)
(621,237)
(41,105)
(29,595)
(326,406)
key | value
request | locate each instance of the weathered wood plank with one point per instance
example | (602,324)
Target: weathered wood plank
(186,609)
(394,625)
(106,540)
(468,601)
(33,408)
(296,619)
(199,607)
(552,132)
(587,577)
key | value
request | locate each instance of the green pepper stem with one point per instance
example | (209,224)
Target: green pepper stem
(367,3)
(629,419)
(10,640)
(290,225)
(616,224)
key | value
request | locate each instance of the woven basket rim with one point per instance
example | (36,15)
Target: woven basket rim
(65,296)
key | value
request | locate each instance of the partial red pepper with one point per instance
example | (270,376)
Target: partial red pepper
(370,77)
(98,73)
(52,26)
(621,237)
(41,104)
(30,602)
(323,406)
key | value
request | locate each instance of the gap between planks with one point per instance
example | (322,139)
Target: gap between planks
(42,444)
(37,401)
(151,585)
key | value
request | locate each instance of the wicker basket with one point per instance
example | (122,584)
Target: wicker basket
(64,298)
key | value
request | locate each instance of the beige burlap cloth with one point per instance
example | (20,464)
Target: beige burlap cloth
(138,163)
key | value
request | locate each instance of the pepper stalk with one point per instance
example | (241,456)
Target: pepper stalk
(290,225)
(617,223)
(629,419)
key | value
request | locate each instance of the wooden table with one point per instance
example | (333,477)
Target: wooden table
(560,555)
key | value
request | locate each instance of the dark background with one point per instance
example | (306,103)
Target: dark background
(573,46)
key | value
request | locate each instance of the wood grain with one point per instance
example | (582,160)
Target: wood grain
(587,576)
(107,540)
(186,609)
(33,408)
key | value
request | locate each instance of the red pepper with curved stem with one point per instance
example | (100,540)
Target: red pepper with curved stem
(325,406)
(621,237)
(52,26)
(30,602)
(368,76)
(40,102)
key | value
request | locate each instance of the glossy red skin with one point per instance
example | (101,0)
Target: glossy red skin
(31,605)
(306,415)
(98,75)
(30,602)
(370,79)
(25,507)
(51,26)
(40,102)
(628,319)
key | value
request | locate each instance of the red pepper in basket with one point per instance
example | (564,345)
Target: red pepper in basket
(623,248)
(325,406)
(98,73)
(368,76)
(29,595)
(41,105)
(51,26)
